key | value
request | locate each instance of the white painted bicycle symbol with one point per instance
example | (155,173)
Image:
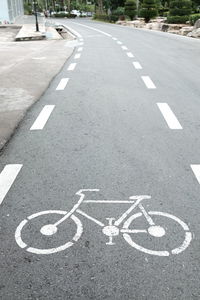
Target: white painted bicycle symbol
(123,225)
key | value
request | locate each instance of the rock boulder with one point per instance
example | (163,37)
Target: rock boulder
(197,24)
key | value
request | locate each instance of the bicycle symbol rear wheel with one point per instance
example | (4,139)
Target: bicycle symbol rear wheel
(44,230)
(160,232)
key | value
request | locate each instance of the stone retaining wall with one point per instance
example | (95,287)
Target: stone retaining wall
(160,25)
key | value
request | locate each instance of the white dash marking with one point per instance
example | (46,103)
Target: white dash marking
(114,39)
(80,49)
(81,39)
(39,58)
(137,65)
(81,44)
(129,54)
(42,118)
(77,56)
(196,170)
(118,42)
(62,84)
(71,67)
(169,116)
(124,48)
(148,82)
(7,177)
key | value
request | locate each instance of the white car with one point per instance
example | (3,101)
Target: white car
(76,12)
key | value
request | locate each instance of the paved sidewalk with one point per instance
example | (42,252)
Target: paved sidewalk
(26,69)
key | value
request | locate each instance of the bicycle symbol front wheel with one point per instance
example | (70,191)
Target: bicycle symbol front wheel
(48,230)
(157,232)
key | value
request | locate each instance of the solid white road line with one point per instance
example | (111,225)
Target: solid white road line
(137,65)
(105,33)
(148,82)
(62,84)
(119,43)
(71,67)
(42,118)
(7,177)
(129,54)
(169,116)
(124,48)
(196,170)
(80,49)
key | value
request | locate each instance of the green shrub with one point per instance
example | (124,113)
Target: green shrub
(177,19)
(101,17)
(71,16)
(162,12)
(179,11)
(117,14)
(113,18)
(166,14)
(194,18)
(119,11)
(180,8)
(148,10)
(130,8)
(27,9)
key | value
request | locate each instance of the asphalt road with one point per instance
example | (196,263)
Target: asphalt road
(109,128)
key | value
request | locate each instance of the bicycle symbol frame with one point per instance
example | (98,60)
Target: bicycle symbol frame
(111,230)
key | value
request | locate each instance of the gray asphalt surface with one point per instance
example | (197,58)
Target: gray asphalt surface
(106,132)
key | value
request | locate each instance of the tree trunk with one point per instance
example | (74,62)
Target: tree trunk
(100,6)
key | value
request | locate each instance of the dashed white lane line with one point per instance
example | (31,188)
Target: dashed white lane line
(77,56)
(137,65)
(39,58)
(81,39)
(124,48)
(119,43)
(169,116)
(71,67)
(62,84)
(42,118)
(7,177)
(148,82)
(81,44)
(196,171)
(114,39)
(80,49)
(129,54)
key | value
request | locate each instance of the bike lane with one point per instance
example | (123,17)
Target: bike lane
(96,139)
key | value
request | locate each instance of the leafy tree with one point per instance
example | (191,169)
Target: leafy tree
(130,9)
(114,4)
(180,8)
(149,10)
(179,11)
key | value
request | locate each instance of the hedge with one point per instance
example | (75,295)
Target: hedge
(65,16)
(177,19)
(194,18)
(101,17)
